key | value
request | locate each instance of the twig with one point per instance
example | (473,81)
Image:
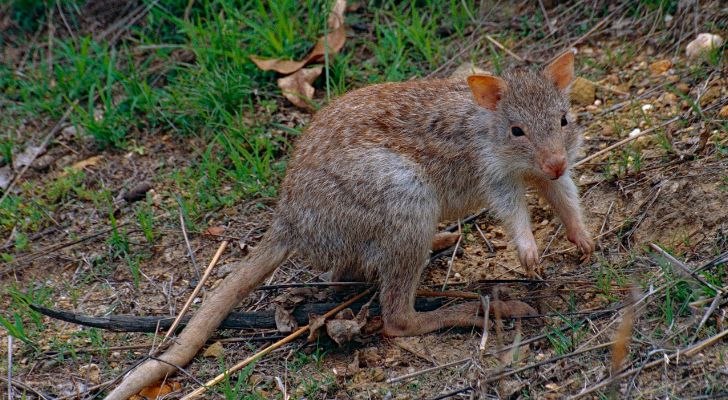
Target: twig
(194,293)
(450,293)
(20,385)
(187,240)
(506,374)
(199,391)
(674,261)
(504,48)
(485,300)
(312,284)
(588,33)
(452,258)
(10,367)
(688,352)
(427,370)
(491,249)
(546,17)
(625,141)
(713,305)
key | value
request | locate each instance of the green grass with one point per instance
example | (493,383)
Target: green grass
(194,77)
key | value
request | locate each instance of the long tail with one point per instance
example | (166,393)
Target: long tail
(263,260)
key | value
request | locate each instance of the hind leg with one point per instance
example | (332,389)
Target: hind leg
(401,260)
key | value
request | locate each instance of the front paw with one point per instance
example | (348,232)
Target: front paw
(528,256)
(583,242)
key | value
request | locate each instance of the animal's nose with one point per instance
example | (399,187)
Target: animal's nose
(555,166)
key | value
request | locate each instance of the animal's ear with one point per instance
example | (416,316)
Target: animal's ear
(561,70)
(487,90)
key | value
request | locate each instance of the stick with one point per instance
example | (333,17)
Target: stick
(452,259)
(689,352)
(214,260)
(426,370)
(486,311)
(504,48)
(199,391)
(21,385)
(674,261)
(187,240)
(625,141)
(10,367)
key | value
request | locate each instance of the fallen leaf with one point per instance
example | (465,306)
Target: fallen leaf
(83,164)
(297,87)
(660,67)
(92,372)
(342,330)
(159,389)
(215,231)
(214,351)
(332,43)
(723,113)
(27,156)
(315,322)
(285,322)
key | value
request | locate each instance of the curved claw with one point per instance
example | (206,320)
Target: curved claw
(584,243)
(528,256)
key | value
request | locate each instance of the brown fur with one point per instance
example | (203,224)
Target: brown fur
(378,168)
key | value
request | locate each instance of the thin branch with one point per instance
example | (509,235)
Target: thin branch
(427,370)
(625,141)
(194,293)
(187,240)
(674,261)
(255,357)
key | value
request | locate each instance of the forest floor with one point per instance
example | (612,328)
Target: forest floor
(137,136)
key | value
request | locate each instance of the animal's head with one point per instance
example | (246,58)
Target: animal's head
(529,114)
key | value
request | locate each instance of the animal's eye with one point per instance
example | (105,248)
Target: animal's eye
(516,131)
(564,122)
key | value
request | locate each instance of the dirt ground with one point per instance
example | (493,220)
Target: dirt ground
(668,187)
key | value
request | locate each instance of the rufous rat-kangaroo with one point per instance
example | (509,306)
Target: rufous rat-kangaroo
(379,167)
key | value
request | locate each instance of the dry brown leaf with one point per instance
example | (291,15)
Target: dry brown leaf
(336,16)
(297,87)
(83,164)
(285,322)
(91,372)
(342,330)
(159,389)
(332,43)
(215,230)
(660,67)
(723,113)
(214,351)
(315,322)
(284,67)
